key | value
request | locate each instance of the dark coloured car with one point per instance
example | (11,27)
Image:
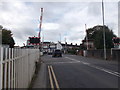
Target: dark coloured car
(57,53)
(50,52)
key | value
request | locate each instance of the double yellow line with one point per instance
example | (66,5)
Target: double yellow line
(52,77)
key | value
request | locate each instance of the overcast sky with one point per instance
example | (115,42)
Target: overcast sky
(60,19)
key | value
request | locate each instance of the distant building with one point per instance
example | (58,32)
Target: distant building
(70,46)
(45,46)
(88,44)
(48,47)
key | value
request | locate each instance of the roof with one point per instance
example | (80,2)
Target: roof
(90,40)
(70,45)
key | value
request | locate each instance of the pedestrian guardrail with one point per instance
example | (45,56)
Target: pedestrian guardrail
(17,67)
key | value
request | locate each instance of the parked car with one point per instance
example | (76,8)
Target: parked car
(49,53)
(57,53)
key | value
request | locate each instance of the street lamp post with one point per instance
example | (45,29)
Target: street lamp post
(103,31)
(86,36)
(1,36)
(60,37)
(65,46)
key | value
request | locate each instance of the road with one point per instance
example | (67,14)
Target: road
(72,71)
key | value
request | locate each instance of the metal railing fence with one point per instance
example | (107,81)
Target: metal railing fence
(17,67)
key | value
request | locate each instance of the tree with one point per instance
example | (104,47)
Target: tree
(1,27)
(7,38)
(1,34)
(96,34)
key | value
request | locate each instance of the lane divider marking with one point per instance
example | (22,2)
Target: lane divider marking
(72,59)
(52,74)
(50,77)
(56,82)
(62,62)
(96,67)
(105,70)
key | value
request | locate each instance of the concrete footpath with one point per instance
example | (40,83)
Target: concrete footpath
(40,80)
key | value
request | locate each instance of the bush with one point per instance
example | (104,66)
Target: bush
(72,51)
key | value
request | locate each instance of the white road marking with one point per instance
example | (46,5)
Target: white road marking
(62,62)
(106,70)
(96,67)
(72,59)
(86,63)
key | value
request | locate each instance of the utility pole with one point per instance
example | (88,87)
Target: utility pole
(60,37)
(43,41)
(86,36)
(65,45)
(103,31)
(1,36)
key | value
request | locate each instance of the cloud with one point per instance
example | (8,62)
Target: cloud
(59,0)
(65,18)
(94,9)
(17,18)
(50,26)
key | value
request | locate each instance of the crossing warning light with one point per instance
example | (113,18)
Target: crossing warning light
(116,40)
(34,40)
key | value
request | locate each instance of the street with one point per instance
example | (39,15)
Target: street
(72,71)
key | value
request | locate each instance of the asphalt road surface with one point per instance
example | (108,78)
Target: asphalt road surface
(72,71)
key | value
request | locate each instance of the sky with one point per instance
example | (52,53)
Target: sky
(61,20)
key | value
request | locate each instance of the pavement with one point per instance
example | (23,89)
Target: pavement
(72,71)
(40,81)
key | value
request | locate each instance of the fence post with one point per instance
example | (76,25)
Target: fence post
(1,68)
(5,68)
(12,75)
(14,68)
(9,68)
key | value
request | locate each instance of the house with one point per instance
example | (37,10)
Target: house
(67,47)
(88,44)
(70,46)
(48,47)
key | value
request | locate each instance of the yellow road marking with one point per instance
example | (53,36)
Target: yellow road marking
(56,82)
(50,76)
